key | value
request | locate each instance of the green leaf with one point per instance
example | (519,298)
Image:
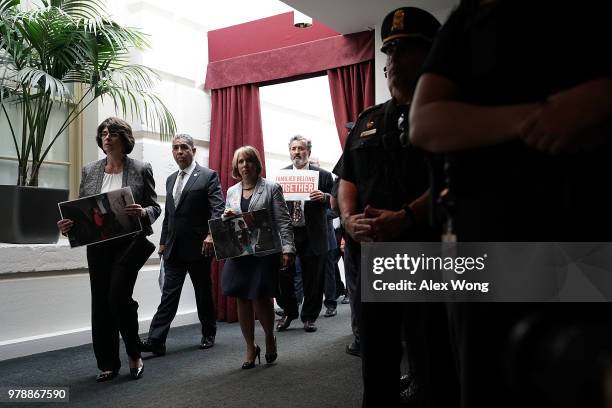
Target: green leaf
(45,48)
(6,5)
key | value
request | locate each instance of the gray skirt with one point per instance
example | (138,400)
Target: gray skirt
(251,277)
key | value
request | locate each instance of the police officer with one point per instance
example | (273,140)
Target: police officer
(383,197)
(504,125)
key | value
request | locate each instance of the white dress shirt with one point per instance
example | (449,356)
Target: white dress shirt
(188,170)
(111,182)
(302,221)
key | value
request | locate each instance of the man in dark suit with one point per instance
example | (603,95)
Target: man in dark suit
(309,221)
(193,196)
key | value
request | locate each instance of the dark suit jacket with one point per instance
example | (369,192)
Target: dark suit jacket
(186,225)
(315,214)
(136,174)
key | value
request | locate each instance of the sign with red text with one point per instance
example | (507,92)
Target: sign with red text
(298,184)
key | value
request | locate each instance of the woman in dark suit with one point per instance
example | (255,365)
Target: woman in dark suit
(253,279)
(112,266)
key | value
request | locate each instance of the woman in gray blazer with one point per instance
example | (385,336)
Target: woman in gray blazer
(253,279)
(113,265)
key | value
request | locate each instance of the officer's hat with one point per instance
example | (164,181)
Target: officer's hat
(408,23)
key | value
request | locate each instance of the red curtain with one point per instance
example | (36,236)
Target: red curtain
(352,90)
(235,122)
(291,61)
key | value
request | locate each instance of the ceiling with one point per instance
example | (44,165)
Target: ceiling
(350,16)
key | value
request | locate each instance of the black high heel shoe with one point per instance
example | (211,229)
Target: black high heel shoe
(251,364)
(271,357)
(106,375)
(136,372)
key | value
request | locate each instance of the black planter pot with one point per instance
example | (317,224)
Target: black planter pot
(28,215)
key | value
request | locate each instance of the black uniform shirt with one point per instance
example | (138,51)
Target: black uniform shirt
(519,51)
(387,175)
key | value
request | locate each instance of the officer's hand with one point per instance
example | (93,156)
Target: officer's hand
(556,126)
(317,195)
(207,246)
(386,224)
(161,250)
(357,228)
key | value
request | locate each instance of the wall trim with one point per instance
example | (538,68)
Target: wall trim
(25,346)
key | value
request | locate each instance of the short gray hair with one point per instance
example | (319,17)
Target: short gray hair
(301,138)
(186,137)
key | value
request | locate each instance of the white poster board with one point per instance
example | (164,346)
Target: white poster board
(298,184)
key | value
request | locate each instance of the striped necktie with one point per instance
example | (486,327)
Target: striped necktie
(179,188)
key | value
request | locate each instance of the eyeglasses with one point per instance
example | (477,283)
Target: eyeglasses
(401,45)
(393,46)
(107,134)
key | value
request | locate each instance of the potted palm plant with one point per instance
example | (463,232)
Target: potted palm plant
(48,48)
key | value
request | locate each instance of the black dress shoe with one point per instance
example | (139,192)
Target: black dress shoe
(107,375)
(354,349)
(247,365)
(405,382)
(151,346)
(271,357)
(330,312)
(284,323)
(309,326)
(409,391)
(136,373)
(207,342)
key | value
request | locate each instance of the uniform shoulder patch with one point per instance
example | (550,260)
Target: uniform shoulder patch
(368,110)
(362,127)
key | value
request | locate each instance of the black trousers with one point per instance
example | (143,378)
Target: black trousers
(113,310)
(435,367)
(313,270)
(340,286)
(352,253)
(481,334)
(380,334)
(313,280)
(286,299)
(383,327)
(176,270)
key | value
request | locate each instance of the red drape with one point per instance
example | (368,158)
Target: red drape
(235,122)
(270,33)
(293,61)
(352,90)
(236,117)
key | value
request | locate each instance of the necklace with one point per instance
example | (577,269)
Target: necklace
(113,170)
(247,189)
(113,167)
